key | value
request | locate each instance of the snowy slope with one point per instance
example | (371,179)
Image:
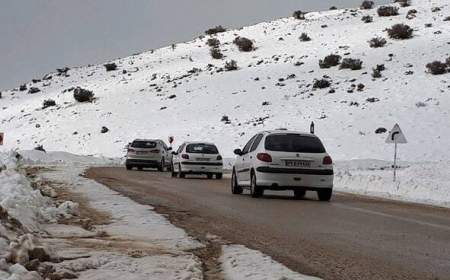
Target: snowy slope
(139,103)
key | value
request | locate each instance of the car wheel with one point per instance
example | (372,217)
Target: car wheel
(140,168)
(174,174)
(235,188)
(129,167)
(219,176)
(180,173)
(161,165)
(325,194)
(255,190)
(210,176)
(299,194)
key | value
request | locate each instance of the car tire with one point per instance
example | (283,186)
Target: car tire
(174,174)
(161,165)
(235,188)
(129,167)
(255,190)
(210,176)
(299,194)
(180,173)
(219,176)
(325,194)
(140,168)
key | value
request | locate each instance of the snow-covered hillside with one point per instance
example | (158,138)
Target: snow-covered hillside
(181,91)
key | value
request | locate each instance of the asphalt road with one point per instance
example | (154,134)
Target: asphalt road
(351,237)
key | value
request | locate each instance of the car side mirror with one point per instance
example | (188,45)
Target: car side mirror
(174,153)
(169,149)
(238,152)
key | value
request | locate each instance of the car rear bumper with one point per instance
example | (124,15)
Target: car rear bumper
(202,167)
(281,178)
(142,162)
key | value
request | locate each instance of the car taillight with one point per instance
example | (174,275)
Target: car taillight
(154,151)
(219,157)
(264,157)
(327,160)
(185,156)
(131,150)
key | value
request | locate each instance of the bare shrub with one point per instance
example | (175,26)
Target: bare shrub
(437,68)
(321,83)
(216,53)
(48,103)
(83,95)
(367,19)
(231,65)
(376,71)
(447,18)
(244,44)
(351,63)
(304,37)
(213,42)
(400,31)
(366,5)
(330,61)
(403,3)
(387,11)
(377,42)
(299,15)
(215,30)
(110,66)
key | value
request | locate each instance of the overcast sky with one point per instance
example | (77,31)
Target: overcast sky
(38,36)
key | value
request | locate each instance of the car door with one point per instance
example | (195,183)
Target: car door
(243,172)
(176,157)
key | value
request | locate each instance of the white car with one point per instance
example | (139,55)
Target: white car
(148,153)
(197,158)
(283,160)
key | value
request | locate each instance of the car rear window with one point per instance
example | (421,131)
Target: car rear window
(294,143)
(201,149)
(143,144)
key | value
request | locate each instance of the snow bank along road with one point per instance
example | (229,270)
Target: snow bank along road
(349,238)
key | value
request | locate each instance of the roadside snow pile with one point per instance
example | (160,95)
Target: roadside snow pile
(427,183)
(32,157)
(22,210)
(241,263)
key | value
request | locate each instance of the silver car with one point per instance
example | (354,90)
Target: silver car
(147,153)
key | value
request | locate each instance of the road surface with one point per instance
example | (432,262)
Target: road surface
(351,237)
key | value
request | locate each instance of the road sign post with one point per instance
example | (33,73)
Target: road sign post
(395,137)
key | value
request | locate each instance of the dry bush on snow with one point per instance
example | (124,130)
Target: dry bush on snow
(321,83)
(387,11)
(304,37)
(110,66)
(351,63)
(367,19)
(216,53)
(231,65)
(299,15)
(244,44)
(403,3)
(437,68)
(400,31)
(83,95)
(48,103)
(330,61)
(213,42)
(377,42)
(215,30)
(366,5)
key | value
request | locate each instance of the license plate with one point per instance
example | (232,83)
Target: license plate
(202,159)
(141,152)
(298,163)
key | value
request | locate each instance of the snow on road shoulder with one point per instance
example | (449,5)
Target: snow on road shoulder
(241,263)
(427,182)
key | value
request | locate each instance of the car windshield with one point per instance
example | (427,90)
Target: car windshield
(294,143)
(143,144)
(201,149)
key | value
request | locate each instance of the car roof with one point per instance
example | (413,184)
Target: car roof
(199,142)
(285,131)
(150,140)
